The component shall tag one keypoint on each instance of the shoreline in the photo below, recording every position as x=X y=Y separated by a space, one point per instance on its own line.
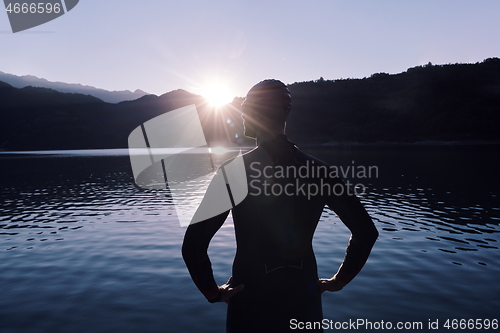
x=402 y=144
x=309 y=145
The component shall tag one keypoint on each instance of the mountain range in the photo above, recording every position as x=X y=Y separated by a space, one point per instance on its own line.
x=438 y=103
x=105 y=95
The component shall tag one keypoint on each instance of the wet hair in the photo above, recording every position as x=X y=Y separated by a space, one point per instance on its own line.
x=270 y=98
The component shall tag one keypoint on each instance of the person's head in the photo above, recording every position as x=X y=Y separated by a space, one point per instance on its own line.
x=266 y=108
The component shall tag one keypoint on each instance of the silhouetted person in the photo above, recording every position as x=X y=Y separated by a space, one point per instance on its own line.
x=274 y=278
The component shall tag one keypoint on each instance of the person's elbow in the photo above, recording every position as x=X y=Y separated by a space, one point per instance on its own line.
x=367 y=235
x=187 y=250
x=371 y=234
x=374 y=234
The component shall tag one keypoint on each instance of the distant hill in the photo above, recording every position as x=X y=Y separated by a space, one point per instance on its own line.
x=105 y=95
x=456 y=102
x=439 y=103
x=44 y=119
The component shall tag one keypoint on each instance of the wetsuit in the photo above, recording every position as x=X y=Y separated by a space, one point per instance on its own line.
x=274 y=231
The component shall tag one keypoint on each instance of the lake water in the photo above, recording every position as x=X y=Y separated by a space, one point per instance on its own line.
x=82 y=249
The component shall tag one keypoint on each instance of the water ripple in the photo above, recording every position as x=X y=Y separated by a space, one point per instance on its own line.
x=89 y=244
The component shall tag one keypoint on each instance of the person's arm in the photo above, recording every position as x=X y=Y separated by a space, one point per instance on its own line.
x=363 y=236
x=194 y=252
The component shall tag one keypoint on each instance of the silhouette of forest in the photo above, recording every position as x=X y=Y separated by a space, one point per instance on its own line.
x=455 y=102
x=459 y=102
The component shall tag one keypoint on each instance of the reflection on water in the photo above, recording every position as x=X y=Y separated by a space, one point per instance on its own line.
x=83 y=249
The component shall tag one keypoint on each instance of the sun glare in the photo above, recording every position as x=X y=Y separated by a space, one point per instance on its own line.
x=218 y=150
x=217 y=94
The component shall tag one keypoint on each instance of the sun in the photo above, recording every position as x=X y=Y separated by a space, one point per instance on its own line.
x=217 y=94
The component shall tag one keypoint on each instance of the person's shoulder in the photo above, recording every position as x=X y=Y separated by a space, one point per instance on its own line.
x=252 y=152
x=304 y=158
x=239 y=156
x=256 y=155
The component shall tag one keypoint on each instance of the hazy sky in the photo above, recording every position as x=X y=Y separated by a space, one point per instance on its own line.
x=159 y=45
